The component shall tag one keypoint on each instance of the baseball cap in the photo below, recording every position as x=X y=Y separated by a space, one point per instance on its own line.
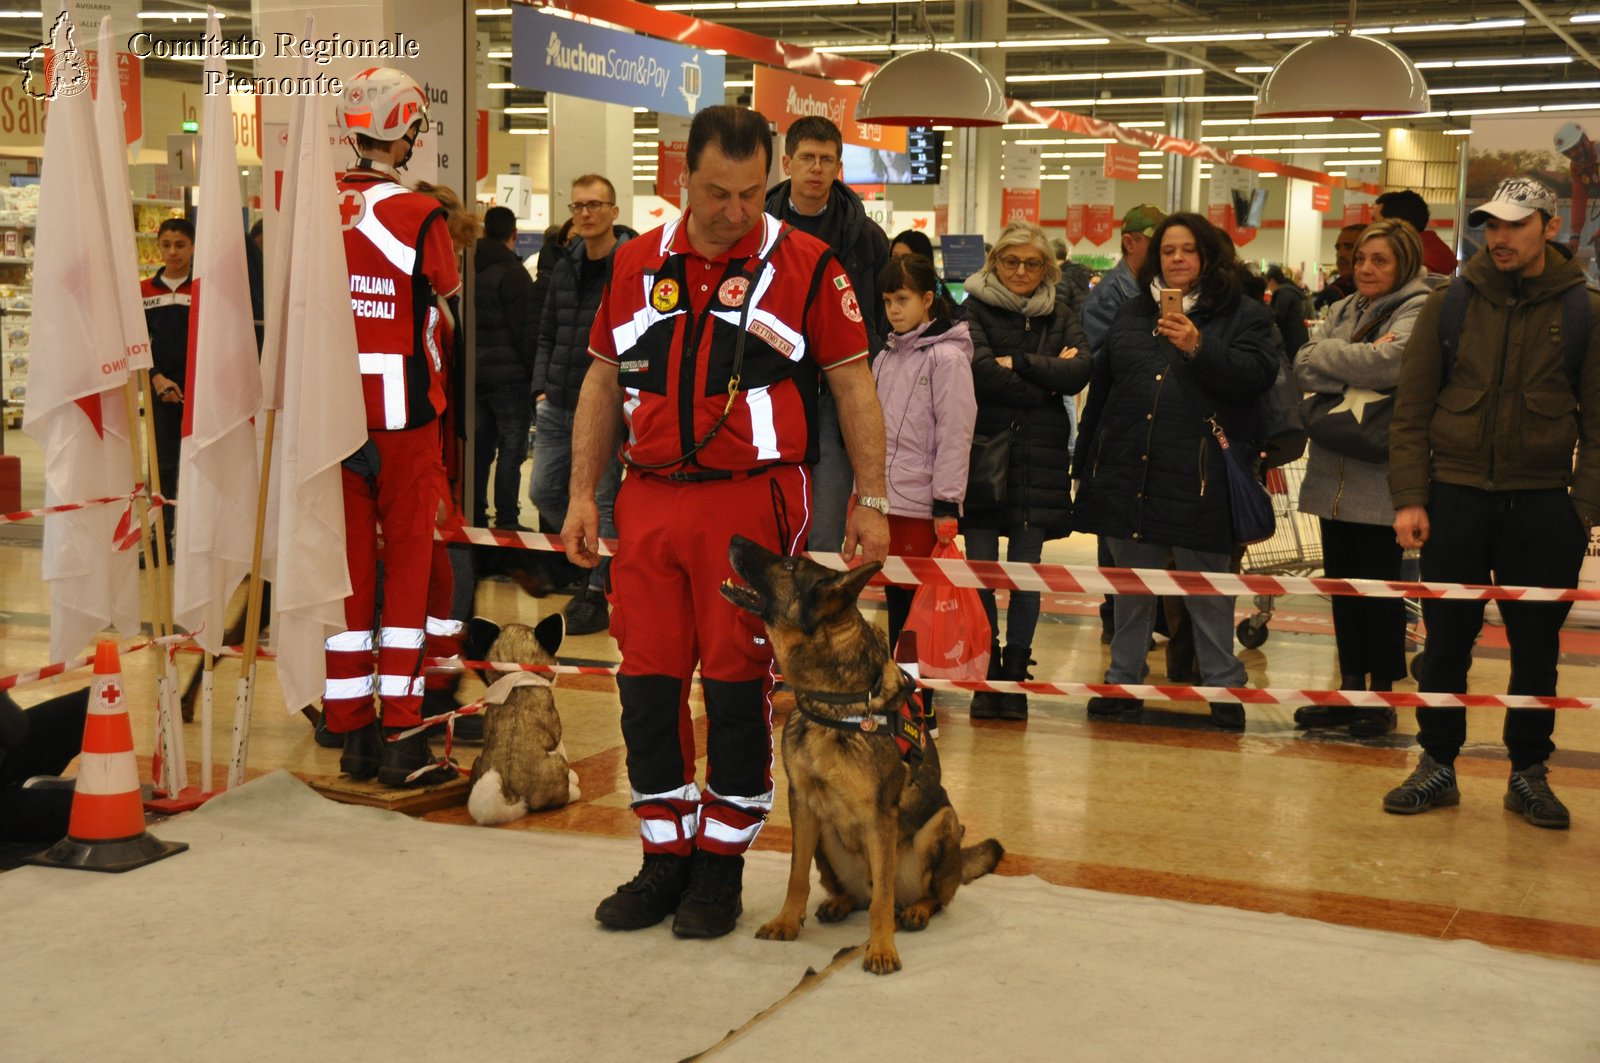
x=1515 y=199
x=1143 y=219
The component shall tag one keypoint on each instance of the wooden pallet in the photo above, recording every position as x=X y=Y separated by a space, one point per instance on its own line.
x=412 y=802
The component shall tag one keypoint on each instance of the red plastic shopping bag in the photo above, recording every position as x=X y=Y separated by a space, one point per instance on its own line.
x=951 y=627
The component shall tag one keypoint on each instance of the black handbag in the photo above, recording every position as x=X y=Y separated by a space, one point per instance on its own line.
x=1249 y=505
x=987 y=466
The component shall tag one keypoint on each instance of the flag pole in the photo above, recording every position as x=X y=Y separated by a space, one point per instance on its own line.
x=244 y=699
x=173 y=766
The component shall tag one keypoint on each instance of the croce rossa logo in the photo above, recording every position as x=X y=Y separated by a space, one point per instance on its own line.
x=66 y=74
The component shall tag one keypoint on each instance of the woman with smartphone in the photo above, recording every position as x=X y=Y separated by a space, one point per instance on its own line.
x=1028 y=352
x=1180 y=370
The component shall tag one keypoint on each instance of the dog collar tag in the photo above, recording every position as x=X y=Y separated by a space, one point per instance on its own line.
x=869 y=723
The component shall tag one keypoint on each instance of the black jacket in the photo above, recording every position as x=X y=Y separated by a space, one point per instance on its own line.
x=1029 y=397
x=169 y=330
x=1289 y=312
x=862 y=247
x=1150 y=467
x=563 y=355
x=507 y=323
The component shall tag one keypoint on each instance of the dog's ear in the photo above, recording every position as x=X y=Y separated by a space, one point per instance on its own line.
x=848 y=585
x=549 y=632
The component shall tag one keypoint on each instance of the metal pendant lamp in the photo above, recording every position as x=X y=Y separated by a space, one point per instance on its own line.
x=930 y=87
x=1343 y=76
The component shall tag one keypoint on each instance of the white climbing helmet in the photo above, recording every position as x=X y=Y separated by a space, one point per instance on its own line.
x=1569 y=136
x=383 y=103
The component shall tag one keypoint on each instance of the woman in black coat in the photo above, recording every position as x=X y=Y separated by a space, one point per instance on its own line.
x=1154 y=483
x=1028 y=353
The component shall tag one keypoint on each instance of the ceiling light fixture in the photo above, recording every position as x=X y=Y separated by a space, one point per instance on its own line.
x=1104 y=76
x=930 y=86
x=1343 y=76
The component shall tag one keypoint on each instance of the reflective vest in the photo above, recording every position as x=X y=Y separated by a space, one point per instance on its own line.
x=670 y=323
x=398 y=252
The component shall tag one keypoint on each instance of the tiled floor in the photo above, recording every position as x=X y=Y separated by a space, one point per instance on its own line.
x=1271 y=820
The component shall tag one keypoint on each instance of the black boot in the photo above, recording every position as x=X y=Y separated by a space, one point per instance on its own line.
x=650 y=897
x=712 y=903
x=362 y=748
x=985 y=703
x=1317 y=717
x=1015 y=668
x=399 y=759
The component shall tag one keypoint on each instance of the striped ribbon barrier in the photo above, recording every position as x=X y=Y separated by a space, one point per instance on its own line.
x=68 y=507
x=1089 y=580
x=50 y=671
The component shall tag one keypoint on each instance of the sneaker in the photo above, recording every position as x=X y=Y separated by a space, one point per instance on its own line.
x=712 y=904
x=651 y=896
x=1115 y=708
x=587 y=613
x=1318 y=717
x=400 y=758
x=1430 y=785
x=1373 y=723
x=1227 y=715
x=1528 y=792
x=362 y=751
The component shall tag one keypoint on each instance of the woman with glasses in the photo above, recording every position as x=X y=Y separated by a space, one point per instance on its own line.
x=1184 y=359
x=1028 y=353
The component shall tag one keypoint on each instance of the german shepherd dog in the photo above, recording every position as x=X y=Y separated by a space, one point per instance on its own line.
x=882 y=830
x=524 y=766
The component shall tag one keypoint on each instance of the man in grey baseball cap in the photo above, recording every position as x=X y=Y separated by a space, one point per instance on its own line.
x=1483 y=480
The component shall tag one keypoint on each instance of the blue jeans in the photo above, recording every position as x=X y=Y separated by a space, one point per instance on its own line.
x=501 y=440
x=1211 y=616
x=831 y=480
x=552 y=469
x=1022 y=607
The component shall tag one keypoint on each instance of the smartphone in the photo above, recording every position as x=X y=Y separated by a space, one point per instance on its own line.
x=1171 y=301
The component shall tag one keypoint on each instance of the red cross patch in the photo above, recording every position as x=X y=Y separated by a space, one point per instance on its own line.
x=847 y=303
x=111 y=694
x=733 y=291
x=352 y=208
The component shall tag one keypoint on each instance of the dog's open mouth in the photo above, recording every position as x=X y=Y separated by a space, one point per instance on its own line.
x=744 y=597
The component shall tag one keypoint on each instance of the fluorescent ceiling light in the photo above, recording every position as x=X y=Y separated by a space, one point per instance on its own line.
x=526 y=132
x=502 y=85
x=1055 y=177
x=1263 y=121
x=21 y=14
x=491 y=12
x=1252 y=70
x=526 y=110
x=643 y=158
x=1269 y=175
x=1546 y=86
x=1152 y=177
x=778 y=5
x=647 y=129
x=1072 y=155
x=1456 y=27
x=1151 y=166
x=178 y=16
x=1458 y=132
x=1055 y=42
x=1363 y=162
x=1531 y=60
x=1585 y=18
x=1125 y=101
x=695 y=7
x=1105 y=76
x=748 y=84
x=1196 y=38
x=498 y=55
x=1152 y=124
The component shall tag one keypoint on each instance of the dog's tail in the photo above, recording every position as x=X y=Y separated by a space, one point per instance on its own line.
x=978 y=860
x=488 y=804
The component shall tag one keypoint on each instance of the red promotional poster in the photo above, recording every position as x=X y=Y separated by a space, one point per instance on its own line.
x=1019 y=204
x=1074 y=226
x=672 y=169
x=1358 y=213
x=1098 y=223
x=1321 y=198
x=783 y=97
x=1122 y=162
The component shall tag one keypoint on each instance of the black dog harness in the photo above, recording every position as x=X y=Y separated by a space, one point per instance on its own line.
x=896 y=718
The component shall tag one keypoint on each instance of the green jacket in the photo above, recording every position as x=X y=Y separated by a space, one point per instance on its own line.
x=1507 y=418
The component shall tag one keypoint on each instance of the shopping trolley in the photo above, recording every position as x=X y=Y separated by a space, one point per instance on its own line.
x=1293 y=549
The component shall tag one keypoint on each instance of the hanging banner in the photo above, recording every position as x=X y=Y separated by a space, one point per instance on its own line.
x=1230 y=192
x=559 y=55
x=784 y=97
x=672 y=160
x=1074 y=226
x=1122 y=162
x=131 y=74
x=1019 y=183
x=1358 y=205
x=1095 y=195
x=1321 y=199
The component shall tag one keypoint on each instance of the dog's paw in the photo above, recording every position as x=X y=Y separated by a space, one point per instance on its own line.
x=915 y=916
x=881 y=959
x=779 y=930
x=835 y=909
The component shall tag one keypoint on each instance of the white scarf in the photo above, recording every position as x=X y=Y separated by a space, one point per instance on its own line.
x=988 y=288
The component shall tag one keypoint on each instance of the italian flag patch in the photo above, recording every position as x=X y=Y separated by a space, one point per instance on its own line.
x=841 y=282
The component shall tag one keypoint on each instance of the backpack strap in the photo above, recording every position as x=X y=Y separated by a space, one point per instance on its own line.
x=1575 y=326
x=1451 y=320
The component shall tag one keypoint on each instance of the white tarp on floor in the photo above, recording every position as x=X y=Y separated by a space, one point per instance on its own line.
x=299 y=929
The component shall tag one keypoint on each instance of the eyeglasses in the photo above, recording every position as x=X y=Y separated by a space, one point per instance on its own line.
x=590 y=206
x=1013 y=263
x=808 y=160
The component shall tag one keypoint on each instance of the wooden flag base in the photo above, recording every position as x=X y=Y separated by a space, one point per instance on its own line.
x=413 y=801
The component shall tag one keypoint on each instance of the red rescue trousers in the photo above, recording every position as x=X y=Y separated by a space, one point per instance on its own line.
x=399 y=506
x=668 y=615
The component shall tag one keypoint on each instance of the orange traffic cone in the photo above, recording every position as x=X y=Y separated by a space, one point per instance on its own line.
x=106 y=831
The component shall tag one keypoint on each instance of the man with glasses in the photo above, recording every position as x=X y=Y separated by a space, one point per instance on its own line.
x=576 y=285
x=815 y=200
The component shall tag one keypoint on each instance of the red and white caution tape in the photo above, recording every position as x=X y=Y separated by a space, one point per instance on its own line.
x=1089 y=580
x=50 y=671
x=1172 y=692
x=68 y=507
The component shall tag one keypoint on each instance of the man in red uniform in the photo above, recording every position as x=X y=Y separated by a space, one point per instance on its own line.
x=402 y=266
x=1584 y=162
x=709 y=346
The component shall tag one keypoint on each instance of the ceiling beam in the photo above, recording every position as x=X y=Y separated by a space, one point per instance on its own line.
x=1578 y=49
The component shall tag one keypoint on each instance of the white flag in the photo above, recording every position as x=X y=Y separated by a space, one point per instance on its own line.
x=216 y=519
x=114 y=168
x=312 y=375
x=75 y=406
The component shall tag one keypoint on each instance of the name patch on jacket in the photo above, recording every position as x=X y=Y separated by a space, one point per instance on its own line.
x=769 y=335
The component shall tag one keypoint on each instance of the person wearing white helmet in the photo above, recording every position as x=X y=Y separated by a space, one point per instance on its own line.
x=1573 y=142
x=402 y=267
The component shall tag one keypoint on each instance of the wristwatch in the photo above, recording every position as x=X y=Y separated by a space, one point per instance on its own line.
x=879 y=504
